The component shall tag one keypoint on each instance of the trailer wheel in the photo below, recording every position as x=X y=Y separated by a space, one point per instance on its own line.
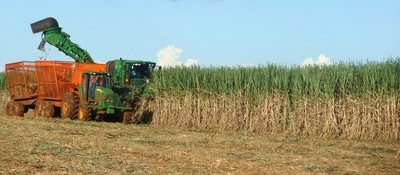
x=85 y=113
x=14 y=109
x=39 y=109
x=48 y=110
x=69 y=106
x=19 y=109
x=9 y=109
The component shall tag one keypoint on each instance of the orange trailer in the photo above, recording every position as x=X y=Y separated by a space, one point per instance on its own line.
x=41 y=85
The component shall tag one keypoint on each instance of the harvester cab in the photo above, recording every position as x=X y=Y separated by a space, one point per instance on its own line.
x=131 y=78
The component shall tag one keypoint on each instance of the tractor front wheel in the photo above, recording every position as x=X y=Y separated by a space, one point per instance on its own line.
x=85 y=113
x=69 y=106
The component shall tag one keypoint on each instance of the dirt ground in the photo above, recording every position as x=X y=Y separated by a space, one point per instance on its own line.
x=53 y=146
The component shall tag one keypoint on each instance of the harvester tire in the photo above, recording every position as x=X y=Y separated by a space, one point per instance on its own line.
x=69 y=106
x=136 y=118
x=39 y=109
x=14 y=109
x=48 y=110
x=129 y=117
x=85 y=113
x=126 y=117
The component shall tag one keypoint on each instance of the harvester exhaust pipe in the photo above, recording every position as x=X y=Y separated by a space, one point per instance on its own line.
x=44 y=24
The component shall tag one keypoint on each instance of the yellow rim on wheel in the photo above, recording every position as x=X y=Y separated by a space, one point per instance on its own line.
x=81 y=115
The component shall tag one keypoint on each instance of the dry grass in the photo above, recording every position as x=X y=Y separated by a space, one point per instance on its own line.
x=4 y=98
x=53 y=146
x=33 y=145
x=372 y=117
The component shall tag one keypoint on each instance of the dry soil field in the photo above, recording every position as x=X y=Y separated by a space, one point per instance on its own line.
x=53 y=146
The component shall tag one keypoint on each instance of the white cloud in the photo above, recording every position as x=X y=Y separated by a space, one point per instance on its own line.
x=322 y=60
x=307 y=62
x=169 y=56
x=191 y=62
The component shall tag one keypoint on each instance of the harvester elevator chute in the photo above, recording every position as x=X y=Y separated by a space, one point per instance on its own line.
x=53 y=35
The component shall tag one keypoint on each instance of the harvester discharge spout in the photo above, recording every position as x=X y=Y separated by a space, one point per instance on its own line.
x=53 y=35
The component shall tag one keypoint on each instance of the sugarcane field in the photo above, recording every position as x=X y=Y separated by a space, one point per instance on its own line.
x=245 y=97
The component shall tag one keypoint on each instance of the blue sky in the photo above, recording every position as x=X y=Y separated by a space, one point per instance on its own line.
x=211 y=32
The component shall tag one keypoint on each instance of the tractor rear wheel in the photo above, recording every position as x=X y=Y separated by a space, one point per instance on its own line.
x=14 y=109
x=69 y=106
x=85 y=113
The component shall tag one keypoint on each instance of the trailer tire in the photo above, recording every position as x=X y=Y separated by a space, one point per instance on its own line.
x=85 y=113
x=39 y=109
x=48 y=110
x=14 y=109
x=19 y=109
x=69 y=106
x=9 y=109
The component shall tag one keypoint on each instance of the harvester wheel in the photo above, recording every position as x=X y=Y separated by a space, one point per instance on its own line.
x=136 y=117
x=126 y=117
x=85 y=113
x=69 y=106
x=39 y=109
x=48 y=109
x=129 y=117
x=14 y=109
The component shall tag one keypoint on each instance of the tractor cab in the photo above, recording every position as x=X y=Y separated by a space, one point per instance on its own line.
x=96 y=87
x=96 y=96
